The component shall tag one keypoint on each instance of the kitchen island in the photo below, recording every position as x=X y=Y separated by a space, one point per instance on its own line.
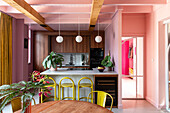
x=105 y=81
x=77 y=72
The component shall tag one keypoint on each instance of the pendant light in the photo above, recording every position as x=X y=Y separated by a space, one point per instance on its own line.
x=79 y=38
x=98 y=38
x=59 y=38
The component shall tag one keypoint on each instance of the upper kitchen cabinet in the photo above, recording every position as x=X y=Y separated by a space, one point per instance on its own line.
x=67 y=46
x=84 y=46
x=55 y=46
x=94 y=44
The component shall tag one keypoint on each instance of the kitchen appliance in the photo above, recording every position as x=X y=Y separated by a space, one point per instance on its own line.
x=96 y=56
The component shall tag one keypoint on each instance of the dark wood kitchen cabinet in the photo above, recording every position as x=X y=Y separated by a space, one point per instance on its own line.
x=69 y=45
x=55 y=46
x=84 y=46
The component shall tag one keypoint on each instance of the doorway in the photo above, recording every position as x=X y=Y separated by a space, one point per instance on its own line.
x=132 y=68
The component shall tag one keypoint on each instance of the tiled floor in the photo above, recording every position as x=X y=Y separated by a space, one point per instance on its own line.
x=137 y=106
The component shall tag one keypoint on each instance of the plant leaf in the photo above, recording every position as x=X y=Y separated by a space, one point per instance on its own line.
x=49 y=64
x=4 y=87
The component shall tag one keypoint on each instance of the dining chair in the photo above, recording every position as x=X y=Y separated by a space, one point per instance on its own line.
x=88 y=85
x=16 y=103
x=101 y=98
x=53 y=85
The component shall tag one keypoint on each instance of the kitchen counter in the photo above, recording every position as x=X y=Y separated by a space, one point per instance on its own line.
x=77 y=72
x=76 y=65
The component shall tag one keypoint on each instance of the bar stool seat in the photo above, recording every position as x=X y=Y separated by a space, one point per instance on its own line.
x=85 y=85
x=51 y=85
x=67 y=85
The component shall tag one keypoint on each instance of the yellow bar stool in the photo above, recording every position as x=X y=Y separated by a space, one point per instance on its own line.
x=53 y=85
x=63 y=85
x=89 y=85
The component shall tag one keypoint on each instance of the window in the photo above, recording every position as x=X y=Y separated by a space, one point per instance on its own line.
x=29 y=46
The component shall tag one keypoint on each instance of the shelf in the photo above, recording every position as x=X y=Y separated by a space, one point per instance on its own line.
x=105 y=84
x=106 y=81
x=113 y=91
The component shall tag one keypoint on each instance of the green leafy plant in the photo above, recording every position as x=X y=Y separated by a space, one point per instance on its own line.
x=25 y=90
x=53 y=60
x=106 y=62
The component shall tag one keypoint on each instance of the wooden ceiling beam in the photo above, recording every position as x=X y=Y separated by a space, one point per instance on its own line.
x=95 y=10
x=27 y=10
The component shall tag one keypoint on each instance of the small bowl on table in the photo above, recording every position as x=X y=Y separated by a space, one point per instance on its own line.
x=101 y=69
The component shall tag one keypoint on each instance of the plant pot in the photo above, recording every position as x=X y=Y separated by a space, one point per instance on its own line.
x=28 y=109
x=53 y=69
x=108 y=68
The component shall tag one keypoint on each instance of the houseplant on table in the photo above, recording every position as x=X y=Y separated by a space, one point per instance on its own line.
x=25 y=90
x=106 y=62
x=52 y=60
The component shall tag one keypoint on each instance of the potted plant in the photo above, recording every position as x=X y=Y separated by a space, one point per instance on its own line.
x=25 y=90
x=52 y=60
x=106 y=62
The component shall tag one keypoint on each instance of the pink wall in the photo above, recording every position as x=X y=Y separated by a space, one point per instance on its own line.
x=21 y=69
x=18 y=36
x=155 y=47
x=133 y=24
x=25 y=54
x=113 y=43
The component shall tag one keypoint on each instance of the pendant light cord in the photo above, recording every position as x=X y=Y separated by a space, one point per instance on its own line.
x=78 y=27
x=59 y=24
x=98 y=27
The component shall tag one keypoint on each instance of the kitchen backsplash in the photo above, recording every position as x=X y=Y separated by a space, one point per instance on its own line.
x=75 y=58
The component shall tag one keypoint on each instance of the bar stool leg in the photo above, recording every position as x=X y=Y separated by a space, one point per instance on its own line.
x=73 y=93
x=55 y=93
x=41 y=97
x=62 y=93
x=59 y=91
x=78 y=93
x=92 y=95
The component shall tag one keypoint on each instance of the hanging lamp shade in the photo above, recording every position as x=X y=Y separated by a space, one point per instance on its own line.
x=79 y=39
x=98 y=39
x=59 y=39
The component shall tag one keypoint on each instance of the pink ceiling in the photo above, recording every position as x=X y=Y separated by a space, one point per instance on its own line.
x=70 y=10
x=68 y=26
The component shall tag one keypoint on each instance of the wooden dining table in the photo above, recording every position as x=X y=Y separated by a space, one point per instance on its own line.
x=68 y=106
